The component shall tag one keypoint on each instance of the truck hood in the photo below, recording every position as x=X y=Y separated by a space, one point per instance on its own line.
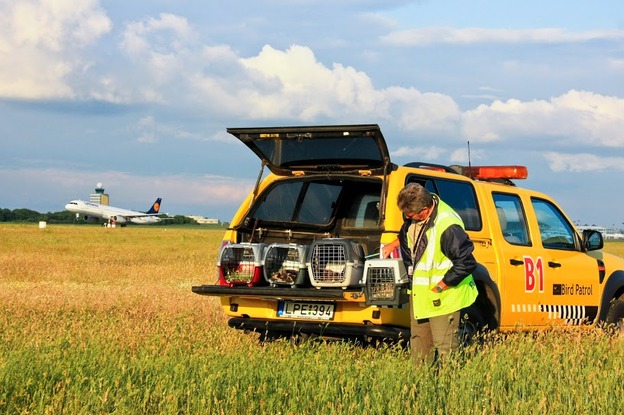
x=318 y=149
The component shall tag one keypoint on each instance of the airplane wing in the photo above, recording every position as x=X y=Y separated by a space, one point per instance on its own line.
x=140 y=215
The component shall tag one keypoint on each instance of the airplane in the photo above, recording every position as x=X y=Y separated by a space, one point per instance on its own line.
x=93 y=211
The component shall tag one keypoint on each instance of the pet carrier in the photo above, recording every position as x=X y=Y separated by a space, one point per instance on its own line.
x=284 y=264
x=240 y=264
x=335 y=262
x=385 y=282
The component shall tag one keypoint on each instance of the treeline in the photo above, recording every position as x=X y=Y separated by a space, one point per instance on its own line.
x=28 y=215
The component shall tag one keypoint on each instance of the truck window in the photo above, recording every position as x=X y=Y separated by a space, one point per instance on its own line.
x=555 y=231
x=511 y=218
x=364 y=212
x=302 y=202
x=458 y=195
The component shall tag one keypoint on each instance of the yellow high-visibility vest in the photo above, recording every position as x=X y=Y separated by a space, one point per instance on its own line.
x=431 y=268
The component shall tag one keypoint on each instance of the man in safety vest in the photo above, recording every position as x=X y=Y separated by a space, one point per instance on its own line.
x=438 y=256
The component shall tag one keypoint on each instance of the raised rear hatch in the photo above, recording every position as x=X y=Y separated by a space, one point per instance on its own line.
x=317 y=149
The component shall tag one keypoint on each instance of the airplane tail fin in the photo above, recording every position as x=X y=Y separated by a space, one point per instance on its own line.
x=155 y=206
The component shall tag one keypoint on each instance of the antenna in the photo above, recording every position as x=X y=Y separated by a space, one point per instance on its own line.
x=469 y=164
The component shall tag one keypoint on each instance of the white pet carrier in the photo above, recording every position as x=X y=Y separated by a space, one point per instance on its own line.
x=240 y=264
x=285 y=264
x=385 y=282
x=335 y=262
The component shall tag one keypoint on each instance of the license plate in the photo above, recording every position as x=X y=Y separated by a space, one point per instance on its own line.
x=311 y=311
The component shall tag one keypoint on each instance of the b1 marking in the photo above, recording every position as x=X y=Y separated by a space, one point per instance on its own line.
x=533 y=274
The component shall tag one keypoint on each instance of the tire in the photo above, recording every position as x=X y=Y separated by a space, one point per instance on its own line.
x=471 y=325
x=615 y=316
x=477 y=321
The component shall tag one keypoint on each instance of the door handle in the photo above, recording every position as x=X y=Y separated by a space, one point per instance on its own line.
x=516 y=262
x=553 y=264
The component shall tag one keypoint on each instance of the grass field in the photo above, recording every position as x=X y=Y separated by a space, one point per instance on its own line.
x=96 y=320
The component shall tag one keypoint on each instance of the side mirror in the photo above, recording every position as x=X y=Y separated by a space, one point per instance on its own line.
x=592 y=240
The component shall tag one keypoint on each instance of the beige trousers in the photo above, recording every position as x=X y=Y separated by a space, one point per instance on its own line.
x=434 y=337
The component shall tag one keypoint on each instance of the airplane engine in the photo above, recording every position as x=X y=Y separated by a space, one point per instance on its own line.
x=90 y=219
x=118 y=219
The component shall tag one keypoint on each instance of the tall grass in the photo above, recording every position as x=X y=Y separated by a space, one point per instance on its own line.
x=96 y=320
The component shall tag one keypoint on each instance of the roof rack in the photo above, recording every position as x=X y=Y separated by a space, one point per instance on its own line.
x=430 y=166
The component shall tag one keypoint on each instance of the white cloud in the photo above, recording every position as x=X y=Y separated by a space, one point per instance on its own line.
x=460 y=155
x=41 y=43
x=168 y=65
x=147 y=36
x=434 y=154
x=616 y=64
x=145 y=128
x=435 y=35
x=150 y=131
x=161 y=54
x=377 y=20
x=293 y=84
x=577 y=116
x=420 y=153
x=275 y=84
x=583 y=162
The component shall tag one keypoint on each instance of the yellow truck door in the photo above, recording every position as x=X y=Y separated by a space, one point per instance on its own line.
x=571 y=277
x=547 y=279
x=521 y=267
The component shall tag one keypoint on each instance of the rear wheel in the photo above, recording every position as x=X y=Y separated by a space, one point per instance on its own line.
x=615 y=316
x=471 y=325
x=477 y=321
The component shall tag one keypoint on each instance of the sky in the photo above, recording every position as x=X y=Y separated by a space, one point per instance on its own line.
x=137 y=95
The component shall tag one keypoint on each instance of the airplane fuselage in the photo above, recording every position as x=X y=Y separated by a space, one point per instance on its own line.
x=90 y=210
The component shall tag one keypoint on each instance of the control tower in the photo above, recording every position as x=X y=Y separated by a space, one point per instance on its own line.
x=99 y=196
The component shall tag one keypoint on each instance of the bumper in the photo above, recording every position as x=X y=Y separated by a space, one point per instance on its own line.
x=275 y=292
x=323 y=329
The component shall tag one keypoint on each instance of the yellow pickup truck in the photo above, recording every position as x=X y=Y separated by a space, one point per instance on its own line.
x=301 y=255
